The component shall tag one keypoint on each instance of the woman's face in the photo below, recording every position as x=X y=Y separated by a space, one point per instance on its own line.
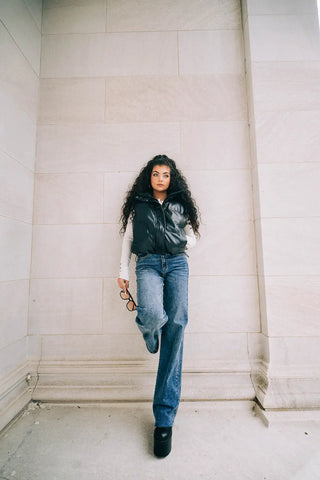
x=160 y=178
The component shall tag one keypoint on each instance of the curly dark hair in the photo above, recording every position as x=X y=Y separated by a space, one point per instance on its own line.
x=178 y=183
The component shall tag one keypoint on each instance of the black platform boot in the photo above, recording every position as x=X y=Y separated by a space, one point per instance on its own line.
x=162 y=441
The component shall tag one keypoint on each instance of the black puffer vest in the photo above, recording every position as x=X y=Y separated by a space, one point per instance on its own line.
x=158 y=228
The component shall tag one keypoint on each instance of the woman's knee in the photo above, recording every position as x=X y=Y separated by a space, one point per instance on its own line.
x=151 y=317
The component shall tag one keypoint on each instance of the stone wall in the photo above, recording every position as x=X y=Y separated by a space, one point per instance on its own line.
x=20 y=43
x=121 y=82
x=283 y=65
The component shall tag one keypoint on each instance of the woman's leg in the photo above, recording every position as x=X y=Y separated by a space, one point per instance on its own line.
x=150 y=312
x=168 y=384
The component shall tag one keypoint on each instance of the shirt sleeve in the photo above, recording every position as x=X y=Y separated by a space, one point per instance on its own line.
x=191 y=238
x=126 y=252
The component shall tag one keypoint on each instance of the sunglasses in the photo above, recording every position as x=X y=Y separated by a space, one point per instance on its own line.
x=131 y=304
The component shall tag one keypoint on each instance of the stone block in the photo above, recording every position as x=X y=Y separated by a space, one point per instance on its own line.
x=293 y=305
x=118 y=348
x=19 y=82
x=13 y=355
x=225 y=248
x=222 y=194
x=279 y=86
x=15 y=124
x=104 y=148
x=287 y=137
x=69 y=17
x=215 y=351
x=16 y=194
x=289 y=190
x=223 y=304
x=15 y=249
x=166 y=15
x=35 y=8
x=68 y=198
x=215 y=145
x=280 y=7
x=70 y=100
x=23 y=29
x=14 y=311
x=284 y=38
x=65 y=306
x=116 y=54
x=210 y=52
x=115 y=187
x=168 y=98
x=290 y=246
x=81 y=251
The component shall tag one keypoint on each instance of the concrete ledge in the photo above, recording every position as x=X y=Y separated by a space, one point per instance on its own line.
x=274 y=417
x=132 y=381
x=15 y=394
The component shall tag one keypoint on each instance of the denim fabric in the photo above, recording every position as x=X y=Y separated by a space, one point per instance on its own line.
x=162 y=313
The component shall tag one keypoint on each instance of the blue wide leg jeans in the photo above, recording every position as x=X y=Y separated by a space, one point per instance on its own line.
x=162 y=314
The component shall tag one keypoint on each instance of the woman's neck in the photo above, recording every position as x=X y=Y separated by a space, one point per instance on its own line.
x=160 y=195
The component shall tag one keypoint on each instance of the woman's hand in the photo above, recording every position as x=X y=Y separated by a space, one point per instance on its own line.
x=123 y=284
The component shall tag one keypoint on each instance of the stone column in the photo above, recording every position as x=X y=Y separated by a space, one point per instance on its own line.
x=283 y=81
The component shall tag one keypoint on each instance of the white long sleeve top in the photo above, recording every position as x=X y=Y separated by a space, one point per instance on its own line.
x=127 y=242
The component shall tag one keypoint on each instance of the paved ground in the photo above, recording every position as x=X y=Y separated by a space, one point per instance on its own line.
x=218 y=440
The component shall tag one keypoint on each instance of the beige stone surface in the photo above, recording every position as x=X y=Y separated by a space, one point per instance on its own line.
x=14 y=311
x=168 y=98
x=96 y=55
x=166 y=15
x=68 y=198
x=223 y=303
x=297 y=353
x=289 y=190
x=215 y=145
x=13 y=355
x=225 y=248
x=73 y=17
x=15 y=124
x=280 y=86
x=290 y=246
x=116 y=347
x=76 y=251
x=18 y=20
x=65 y=306
x=16 y=193
x=288 y=136
x=71 y=100
x=115 y=188
x=210 y=52
x=293 y=305
x=284 y=37
x=104 y=148
x=20 y=43
x=222 y=194
x=15 y=249
x=35 y=8
x=207 y=351
x=280 y=7
x=18 y=80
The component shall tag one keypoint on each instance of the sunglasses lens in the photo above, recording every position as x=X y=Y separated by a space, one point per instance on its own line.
x=131 y=306
x=124 y=295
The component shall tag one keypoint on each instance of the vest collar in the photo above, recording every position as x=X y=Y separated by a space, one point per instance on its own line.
x=148 y=197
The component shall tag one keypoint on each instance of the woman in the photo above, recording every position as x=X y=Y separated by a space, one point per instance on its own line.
x=159 y=221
